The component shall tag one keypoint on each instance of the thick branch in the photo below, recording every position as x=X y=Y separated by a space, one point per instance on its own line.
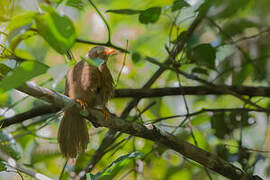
x=150 y=132
x=146 y=93
x=111 y=135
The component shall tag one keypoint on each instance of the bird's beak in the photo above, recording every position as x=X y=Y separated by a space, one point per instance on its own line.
x=110 y=52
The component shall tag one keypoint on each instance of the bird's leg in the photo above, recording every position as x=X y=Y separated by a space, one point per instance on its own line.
x=82 y=103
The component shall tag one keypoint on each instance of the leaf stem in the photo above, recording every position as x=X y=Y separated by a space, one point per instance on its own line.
x=104 y=20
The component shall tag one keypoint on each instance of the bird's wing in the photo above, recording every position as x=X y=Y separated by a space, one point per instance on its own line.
x=90 y=78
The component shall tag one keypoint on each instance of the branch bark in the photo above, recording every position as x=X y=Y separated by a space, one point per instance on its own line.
x=192 y=90
x=12 y=163
x=149 y=131
x=38 y=111
x=146 y=93
x=112 y=135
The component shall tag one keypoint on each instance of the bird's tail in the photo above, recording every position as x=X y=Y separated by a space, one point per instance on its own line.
x=72 y=134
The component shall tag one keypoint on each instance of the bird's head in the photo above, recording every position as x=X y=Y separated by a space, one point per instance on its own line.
x=100 y=52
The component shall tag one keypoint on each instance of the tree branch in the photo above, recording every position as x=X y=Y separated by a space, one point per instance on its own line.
x=208 y=110
x=192 y=90
x=178 y=47
x=149 y=131
x=38 y=111
x=12 y=163
x=205 y=82
x=102 y=44
x=146 y=93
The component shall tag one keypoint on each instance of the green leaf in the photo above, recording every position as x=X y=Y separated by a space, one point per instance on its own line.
x=124 y=11
x=203 y=55
x=199 y=71
x=21 y=20
x=94 y=62
x=239 y=119
x=57 y=30
x=57 y=1
x=81 y=161
x=224 y=51
x=23 y=54
x=237 y=27
x=136 y=57
x=238 y=77
x=3 y=166
x=205 y=6
x=150 y=15
x=90 y=176
x=26 y=71
x=111 y=171
x=42 y=156
x=220 y=125
x=72 y=62
x=16 y=41
x=179 y=4
x=78 y=4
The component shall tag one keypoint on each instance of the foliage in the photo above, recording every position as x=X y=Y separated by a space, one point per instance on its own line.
x=111 y=171
x=39 y=40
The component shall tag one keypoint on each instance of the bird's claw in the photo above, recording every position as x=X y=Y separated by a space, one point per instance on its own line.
x=82 y=103
x=106 y=113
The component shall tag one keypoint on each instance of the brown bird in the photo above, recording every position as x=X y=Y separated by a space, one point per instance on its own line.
x=90 y=86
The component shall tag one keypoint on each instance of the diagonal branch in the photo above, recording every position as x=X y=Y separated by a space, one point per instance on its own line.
x=111 y=136
x=13 y=164
x=149 y=132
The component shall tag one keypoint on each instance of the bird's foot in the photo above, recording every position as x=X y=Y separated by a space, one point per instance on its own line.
x=82 y=103
x=105 y=112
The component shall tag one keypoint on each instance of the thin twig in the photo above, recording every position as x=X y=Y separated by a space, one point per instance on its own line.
x=117 y=144
x=243 y=52
x=102 y=44
x=247 y=149
x=208 y=84
x=23 y=99
x=63 y=170
x=253 y=36
x=104 y=20
x=123 y=65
